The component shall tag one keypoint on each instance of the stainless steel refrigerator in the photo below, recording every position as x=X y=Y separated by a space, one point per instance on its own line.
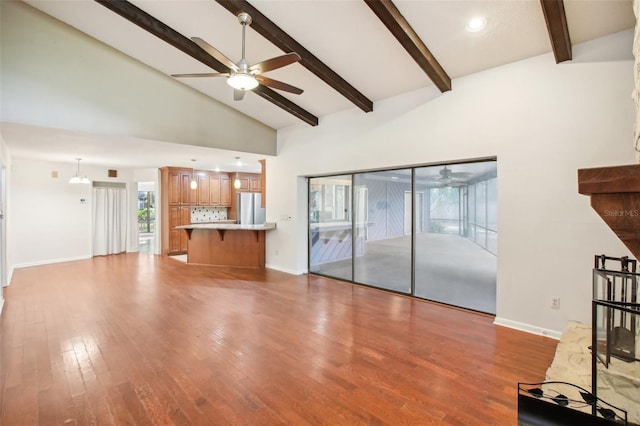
x=249 y=210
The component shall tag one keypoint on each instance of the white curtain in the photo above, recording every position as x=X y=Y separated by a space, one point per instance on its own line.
x=109 y=221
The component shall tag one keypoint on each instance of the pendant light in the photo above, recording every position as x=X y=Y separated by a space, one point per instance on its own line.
x=76 y=178
x=194 y=182
x=236 y=181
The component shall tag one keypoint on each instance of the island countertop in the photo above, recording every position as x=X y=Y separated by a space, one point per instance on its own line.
x=229 y=226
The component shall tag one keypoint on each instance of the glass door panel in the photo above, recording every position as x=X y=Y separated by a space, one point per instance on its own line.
x=330 y=230
x=382 y=244
x=452 y=263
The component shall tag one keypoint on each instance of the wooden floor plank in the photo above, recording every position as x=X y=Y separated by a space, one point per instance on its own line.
x=142 y=339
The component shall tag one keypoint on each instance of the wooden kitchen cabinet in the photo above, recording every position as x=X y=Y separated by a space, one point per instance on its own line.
x=225 y=191
x=255 y=183
x=179 y=187
x=177 y=198
x=249 y=182
x=213 y=189
x=204 y=190
x=178 y=215
x=244 y=183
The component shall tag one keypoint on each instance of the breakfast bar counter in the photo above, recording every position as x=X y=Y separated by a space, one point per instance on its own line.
x=226 y=244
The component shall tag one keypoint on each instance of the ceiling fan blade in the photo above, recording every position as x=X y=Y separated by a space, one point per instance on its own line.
x=462 y=175
x=275 y=63
x=275 y=84
x=208 y=74
x=238 y=94
x=215 y=53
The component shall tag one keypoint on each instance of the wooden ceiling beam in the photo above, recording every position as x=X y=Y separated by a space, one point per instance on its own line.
x=391 y=17
x=558 y=29
x=270 y=31
x=182 y=43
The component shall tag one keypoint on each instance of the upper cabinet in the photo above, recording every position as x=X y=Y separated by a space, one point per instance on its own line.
x=179 y=187
x=213 y=189
x=255 y=183
x=249 y=182
x=204 y=189
x=225 y=190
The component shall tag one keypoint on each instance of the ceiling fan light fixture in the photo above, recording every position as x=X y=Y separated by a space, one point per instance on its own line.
x=476 y=24
x=242 y=81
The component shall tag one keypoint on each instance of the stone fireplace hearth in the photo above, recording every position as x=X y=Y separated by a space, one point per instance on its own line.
x=619 y=384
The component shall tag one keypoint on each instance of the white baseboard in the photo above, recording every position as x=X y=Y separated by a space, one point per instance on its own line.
x=528 y=328
x=50 y=261
x=9 y=276
x=286 y=270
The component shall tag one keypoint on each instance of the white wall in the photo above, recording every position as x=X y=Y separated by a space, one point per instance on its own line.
x=49 y=222
x=55 y=76
x=541 y=120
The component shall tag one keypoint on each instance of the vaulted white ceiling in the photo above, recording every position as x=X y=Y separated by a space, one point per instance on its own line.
x=347 y=36
x=344 y=34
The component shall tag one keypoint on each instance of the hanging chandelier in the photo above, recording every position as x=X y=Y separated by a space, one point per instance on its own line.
x=76 y=178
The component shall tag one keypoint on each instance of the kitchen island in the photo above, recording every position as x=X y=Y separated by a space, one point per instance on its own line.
x=226 y=244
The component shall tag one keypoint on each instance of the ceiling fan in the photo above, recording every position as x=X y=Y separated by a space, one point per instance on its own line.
x=241 y=76
x=447 y=177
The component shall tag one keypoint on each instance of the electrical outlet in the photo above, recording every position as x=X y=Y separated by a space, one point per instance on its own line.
x=555 y=303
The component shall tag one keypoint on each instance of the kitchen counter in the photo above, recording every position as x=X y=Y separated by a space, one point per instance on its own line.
x=229 y=226
x=221 y=244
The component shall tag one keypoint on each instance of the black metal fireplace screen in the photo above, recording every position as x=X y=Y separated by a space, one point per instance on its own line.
x=615 y=363
x=616 y=292
x=615 y=330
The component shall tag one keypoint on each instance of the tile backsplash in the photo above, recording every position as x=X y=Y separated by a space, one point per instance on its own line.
x=208 y=214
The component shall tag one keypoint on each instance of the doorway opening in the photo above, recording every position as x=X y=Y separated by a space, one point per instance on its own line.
x=146 y=216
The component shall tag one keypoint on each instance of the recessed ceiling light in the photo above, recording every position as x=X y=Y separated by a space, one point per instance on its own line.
x=476 y=24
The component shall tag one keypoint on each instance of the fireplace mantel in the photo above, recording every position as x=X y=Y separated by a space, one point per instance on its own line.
x=615 y=196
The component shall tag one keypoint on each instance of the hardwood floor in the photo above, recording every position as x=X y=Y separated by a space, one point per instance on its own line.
x=140 y=339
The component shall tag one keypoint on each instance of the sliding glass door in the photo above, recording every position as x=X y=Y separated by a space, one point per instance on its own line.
x=426 y=231
x=383 y=250
x=330 y=230
x=456 y=250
